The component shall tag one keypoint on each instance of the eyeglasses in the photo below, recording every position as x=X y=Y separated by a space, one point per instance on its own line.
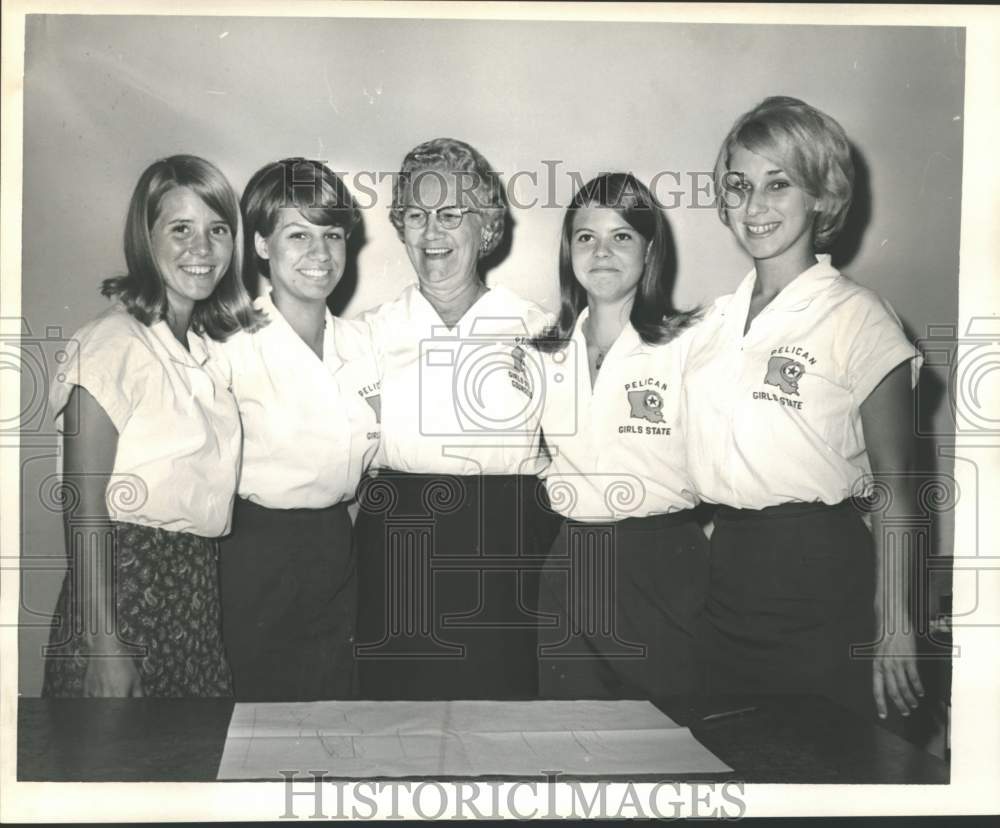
x=450 y=218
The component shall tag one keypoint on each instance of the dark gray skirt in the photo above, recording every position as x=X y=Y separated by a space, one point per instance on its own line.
x=448 y=586
x=790 y=595
x=289 y=599
x=621 y=603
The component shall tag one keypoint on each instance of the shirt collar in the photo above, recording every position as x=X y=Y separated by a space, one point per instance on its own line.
x=196 y=353
x=628 y=341
x=419 y=309
x=805 y=287
x=795 y=296
x=265 y=303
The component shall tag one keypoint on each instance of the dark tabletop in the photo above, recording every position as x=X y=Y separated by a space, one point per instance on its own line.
x=787 y=739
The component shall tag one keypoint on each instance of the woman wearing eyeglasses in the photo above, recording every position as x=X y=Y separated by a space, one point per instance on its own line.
x=446 y=609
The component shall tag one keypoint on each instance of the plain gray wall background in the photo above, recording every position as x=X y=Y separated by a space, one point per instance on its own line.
x=104 y=96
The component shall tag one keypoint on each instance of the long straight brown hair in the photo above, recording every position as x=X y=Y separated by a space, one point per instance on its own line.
x=653 y=315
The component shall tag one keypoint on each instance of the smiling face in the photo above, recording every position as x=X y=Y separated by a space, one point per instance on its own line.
x=306 y=260
x=775 y=217
x=442 y=257
x=192 y=246
x=608 y=254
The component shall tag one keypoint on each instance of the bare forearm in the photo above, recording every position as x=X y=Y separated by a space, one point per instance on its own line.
x=92 y=558
x=884 y=416
x=895 y=543
x=88 y=463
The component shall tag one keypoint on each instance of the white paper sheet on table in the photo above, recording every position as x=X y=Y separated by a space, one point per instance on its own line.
x=362 y=739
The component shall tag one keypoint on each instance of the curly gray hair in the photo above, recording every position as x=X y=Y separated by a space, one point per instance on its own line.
x=479 y=182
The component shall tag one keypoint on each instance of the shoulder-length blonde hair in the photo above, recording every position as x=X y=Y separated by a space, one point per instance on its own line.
x=141 y=289
x=812 y=149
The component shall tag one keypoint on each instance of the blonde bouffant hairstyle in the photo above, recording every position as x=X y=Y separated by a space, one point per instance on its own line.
x=812 y=149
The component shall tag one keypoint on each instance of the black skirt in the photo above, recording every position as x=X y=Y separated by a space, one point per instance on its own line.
x=790 y=593
x=448 y=585
x=166 y=593
x=621 y=602
x=289 y=600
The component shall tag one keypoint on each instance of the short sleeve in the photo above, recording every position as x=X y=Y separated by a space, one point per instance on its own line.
x=876 y=344
x=103 y=360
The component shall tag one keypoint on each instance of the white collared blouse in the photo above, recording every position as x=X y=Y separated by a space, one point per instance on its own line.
x=773 y=415
x=617 y=449
x=459 y=400
x=310 y=425
x=178 y=427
